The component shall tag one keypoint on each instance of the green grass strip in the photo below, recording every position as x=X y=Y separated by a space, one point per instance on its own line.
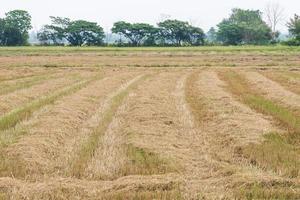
x=12 y=118
x=144 y=162
x=279 y=152
x=279 y=191
x=239 y=86
x=88 y=148
x=7 y=88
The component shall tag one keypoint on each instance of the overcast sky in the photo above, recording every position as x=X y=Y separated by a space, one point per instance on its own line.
x=203 y=13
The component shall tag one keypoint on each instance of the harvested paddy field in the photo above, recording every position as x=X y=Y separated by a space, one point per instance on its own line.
x=157 y=123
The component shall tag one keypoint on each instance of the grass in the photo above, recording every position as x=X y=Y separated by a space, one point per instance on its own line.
x=195 y=100
x=87 y=149
x=145 y=162
x=2 y=79
x=289 y=80
x=7 y=88
x=36 y=51
x=278 y=152
x=279 y=191
x=17 y=115
x=3 y=196
x=172 y=194
x=238 y=85
x=168 y=191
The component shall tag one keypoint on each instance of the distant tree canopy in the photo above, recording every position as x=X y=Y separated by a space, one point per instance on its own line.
x=211 y=36
x=77 y=33
x=172 y=32
x=14 y=28
x=55 y=32
x=294 y=27
x=136 y=33
x=179 y=32
x=244 y=27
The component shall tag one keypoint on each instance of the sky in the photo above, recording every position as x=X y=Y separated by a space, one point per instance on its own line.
x=202 y=13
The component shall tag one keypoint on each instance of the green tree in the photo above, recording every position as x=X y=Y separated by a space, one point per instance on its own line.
x=211 y=35
x=179 y=32
x=195 y=36
x=174 y=31
x=14 y=28
x=136 y=33
x=77 y=33
x=54 y=33
x=2 y=30
x=19 y=19
x=294 y=27
x=82 y=32
x=244 y=27
x=13 y=37
x=229 y=33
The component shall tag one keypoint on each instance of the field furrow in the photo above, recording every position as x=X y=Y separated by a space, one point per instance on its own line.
x=226 y=126
x=278 y=152
x=273 y=90
x=149 y=123
x=105 y=116
x=13 y=85
x=290 y=80
x=20 y=97
x=45 y=136
x=12 y=118
x=153 y=124
x=7 y=74
x=129 y=187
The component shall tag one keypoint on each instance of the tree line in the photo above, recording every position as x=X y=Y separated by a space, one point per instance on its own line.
x=242 y=27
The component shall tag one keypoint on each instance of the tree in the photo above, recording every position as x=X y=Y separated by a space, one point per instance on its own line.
x=174 y=31
x=14 y=28
x=294 y=30
x=195 y=36
x=77 y=33
x=136 y=33
x=211 y=35
x=178 y=32
x=244 y=27
x=19 y=19
x=229 y=33
x=274 y=15
x=2 y=30
x=294 y=27
x=55 y=32
x=82 y=32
